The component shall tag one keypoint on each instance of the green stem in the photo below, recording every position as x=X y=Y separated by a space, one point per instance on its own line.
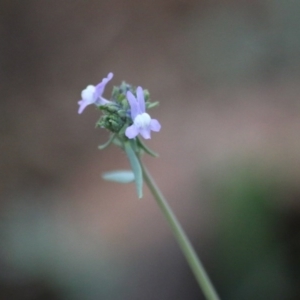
x=185 y=245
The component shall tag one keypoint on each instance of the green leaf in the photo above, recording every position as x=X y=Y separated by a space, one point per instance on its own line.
x=136 y=167
x=146 y=149
x=101 y=147
x=152 y=104
x=121 y=176
x=118 y=142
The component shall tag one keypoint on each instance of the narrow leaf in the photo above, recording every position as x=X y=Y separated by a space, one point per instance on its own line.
x=136 y=168
x=146 y=149
x=152 y=104
x=101 y=147
x=120 y=176
x=118 y=143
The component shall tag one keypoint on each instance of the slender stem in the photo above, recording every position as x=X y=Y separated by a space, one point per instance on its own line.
x=185 y=245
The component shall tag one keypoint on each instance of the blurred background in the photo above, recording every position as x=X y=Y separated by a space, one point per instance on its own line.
x=226 y=74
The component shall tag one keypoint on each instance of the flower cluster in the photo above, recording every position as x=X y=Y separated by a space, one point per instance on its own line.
x=125 y=114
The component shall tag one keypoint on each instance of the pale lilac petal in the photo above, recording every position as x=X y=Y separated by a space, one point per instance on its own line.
x=101 y=86
x=88 y=97
x=134 y=107
x=102 y=101
x=155 y=125
x=145 y=133
x=141 y=99
x=131 y=132
x=82 y=105
x=142 y=120
x=88 y=94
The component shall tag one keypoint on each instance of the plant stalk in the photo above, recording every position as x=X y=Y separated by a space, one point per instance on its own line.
x=182 y=239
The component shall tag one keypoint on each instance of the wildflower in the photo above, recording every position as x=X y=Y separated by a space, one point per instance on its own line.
x=142 y=122
x=93 y=94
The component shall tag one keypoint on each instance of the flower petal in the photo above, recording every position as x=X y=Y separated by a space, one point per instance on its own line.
x=82 y=105
x=155 y=125
x=101 y=86
x=88 y=94
x=141 y=99
x=145 y=133
x=131 y=132
x=134 y=107
x=102 y=101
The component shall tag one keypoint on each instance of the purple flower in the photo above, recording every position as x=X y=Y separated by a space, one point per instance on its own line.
x=93 y=94
x=142 y=122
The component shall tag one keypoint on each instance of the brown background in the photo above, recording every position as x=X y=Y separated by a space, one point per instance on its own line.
x=226 y=74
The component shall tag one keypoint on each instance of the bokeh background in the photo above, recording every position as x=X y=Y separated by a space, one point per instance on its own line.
x=226 y=74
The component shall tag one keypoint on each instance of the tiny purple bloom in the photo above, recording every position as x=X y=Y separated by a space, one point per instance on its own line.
x=93 y=94
x=142 y=122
